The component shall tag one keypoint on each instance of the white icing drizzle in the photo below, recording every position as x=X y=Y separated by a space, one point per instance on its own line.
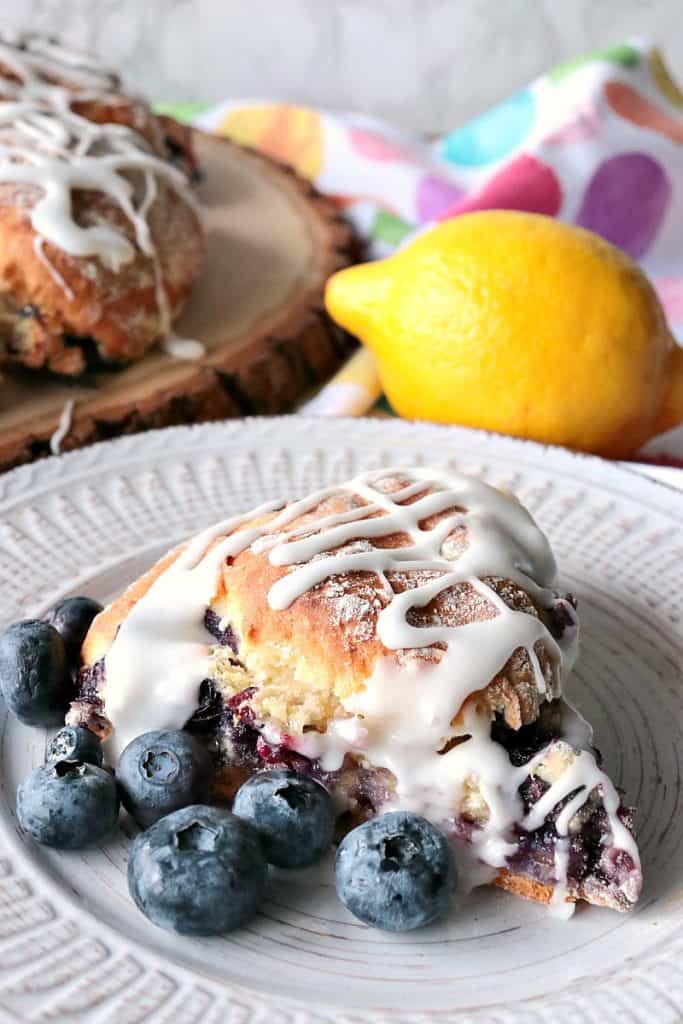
x=404 y=715
x=171 y=344
x=160 y=655
x=45 y=144
x=183 y=348
x=38 y=248
x=46 y=57
x=559 y=906
x=63 y=427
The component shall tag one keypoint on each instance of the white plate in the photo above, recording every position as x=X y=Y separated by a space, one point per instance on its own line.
x=73 y=947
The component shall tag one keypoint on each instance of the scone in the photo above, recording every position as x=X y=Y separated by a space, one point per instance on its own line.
x=400 y=639
x=100 y=238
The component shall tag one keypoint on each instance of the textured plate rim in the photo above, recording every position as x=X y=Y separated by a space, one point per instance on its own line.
x=169 y=443
x=15 y=482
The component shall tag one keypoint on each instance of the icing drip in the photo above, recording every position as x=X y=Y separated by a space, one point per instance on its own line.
x=183 y=348
x=63 y=427
x=160 y=655
x=38 y=248
x=409 y=708
x=559 y=905
x=177 y=348
x=45 y=144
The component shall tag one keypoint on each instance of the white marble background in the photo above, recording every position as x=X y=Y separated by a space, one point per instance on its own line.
x=427 y=64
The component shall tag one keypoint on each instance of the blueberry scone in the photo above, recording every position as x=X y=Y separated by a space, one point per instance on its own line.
x=400 y=639
x=100 y=237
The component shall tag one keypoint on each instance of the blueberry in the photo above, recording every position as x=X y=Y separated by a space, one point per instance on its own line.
x=198 y=871
x=395 y=872
x=159 y=772
x=68 y=805
x=34 y=676
x=71 y=618
x=294 y=816
x=73 y=743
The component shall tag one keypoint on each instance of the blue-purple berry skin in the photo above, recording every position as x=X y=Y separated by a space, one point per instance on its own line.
x=162 y=771
x=68 y=805
x=294 y=816
x=34 y=674
x=395 y=872
x=74 y=743
x=72 y=618
x=198 y=871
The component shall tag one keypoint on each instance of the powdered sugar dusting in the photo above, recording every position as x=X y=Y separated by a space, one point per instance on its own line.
x=353 y=608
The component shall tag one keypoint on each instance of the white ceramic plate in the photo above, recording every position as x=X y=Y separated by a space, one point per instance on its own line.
x=72 y=945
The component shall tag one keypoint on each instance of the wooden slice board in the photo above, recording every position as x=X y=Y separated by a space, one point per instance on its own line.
x=272 y=243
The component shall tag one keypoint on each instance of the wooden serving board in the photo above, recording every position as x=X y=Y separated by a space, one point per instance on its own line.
x=272 y=243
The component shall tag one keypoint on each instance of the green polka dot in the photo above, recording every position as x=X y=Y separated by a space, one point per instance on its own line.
x=390 y=229
x=627 y=56
x=181 y=111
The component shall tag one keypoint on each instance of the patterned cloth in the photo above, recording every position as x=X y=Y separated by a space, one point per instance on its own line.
x=597 y=142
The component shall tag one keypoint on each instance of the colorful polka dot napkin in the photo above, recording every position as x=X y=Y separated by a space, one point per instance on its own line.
x=597 y=142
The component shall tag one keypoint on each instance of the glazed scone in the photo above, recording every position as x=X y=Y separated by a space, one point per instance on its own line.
x=400 y=639
x=100 y=239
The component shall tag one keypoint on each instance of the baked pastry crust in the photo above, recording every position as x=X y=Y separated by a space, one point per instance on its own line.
x=284 y=677
x=322 y=649
x=61 y=311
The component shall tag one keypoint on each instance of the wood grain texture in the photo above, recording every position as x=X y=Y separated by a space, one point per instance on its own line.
x=258 y=308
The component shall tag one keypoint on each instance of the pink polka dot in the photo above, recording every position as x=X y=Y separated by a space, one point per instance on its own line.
x=583 y=125
x=374 y=147
x=524 y=184
x=670 y=291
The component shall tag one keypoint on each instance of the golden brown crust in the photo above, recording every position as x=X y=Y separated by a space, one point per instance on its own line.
x=309 y=658
x=119 y=310
x=48 y=298
x=529 y=889
x=522 y=885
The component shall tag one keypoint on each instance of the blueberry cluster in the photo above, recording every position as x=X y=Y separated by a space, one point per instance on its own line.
x=201 y=870
x=71 y=800
x=198 y=869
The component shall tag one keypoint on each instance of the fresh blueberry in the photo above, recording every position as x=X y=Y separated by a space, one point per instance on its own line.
x=395 y=872
x=68 y=805
x=159 y=772
x=294 y=816
x=73 y=743
x=198 y=871
x=34 y=676
x=71 y=618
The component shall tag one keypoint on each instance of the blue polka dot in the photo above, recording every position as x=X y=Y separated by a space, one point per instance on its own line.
x=493 y=134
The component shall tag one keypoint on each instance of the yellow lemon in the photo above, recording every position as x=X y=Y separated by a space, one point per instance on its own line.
x=519 y=324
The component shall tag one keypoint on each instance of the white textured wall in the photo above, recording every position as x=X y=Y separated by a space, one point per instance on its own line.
x=428 y=64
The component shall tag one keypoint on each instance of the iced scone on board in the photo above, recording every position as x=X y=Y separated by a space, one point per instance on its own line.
x=100 y=236
x=400 y=639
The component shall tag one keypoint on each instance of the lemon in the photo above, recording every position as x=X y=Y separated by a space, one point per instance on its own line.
x=519 y=324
